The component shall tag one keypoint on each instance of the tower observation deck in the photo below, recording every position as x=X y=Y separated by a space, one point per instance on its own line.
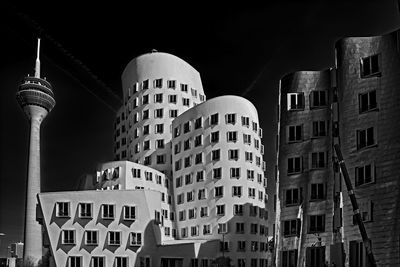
x=36 y=98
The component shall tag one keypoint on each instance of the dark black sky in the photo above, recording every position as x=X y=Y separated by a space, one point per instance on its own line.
x=238 y=49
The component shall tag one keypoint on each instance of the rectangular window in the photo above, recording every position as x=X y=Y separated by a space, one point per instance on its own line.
x=230 y=118
x=215 y=154
x=68 y=237
x=254 y=245
x=317 y=224
x=365 y=206
x=85 y=210
x=198 y=123
x=293 y=196
x=98 y=261
x=252 y=192
x=231 y=136
x=121 y=262
x=294 y=165
x=295 y=133
x=220 y=210
x=177 y=131
x=235 y=173
x=198 y=140
x=178 y=165
x=214 y=119
x=291 y=227
x=207 y=229
x=202 y=194
x=241 y=245
x=158 y=98
x=194 y=231
x=318 y=160
x=135 y=239
x=198 y=158
x=158 y=113
x=114 y=238
x=171 y=84
x=370 y=66
x=185 y=101
x=146 y=129
x=91 y=238
x=240 y=228
x=186 y=127
x=129 y=213
x=318 y=99
x=147 y=160
x=173 y=113
x=188 y=161
x=253 y=228
x=145 y=114
x=247 y=139
x=148 y=176
x=222 y=228
x=157 y=83
x=186 y=144
x=214 y=137
x=204 y=212
x=75 y=261
x=295 y=101
x=62 y=209
x=192 y=213
x=245 y=121
x=236 y=191
x=219 y=191
x=250 y=175
x=319 y=128
x=160 y=143
x=180 y=199
x=184 y=232
x=184 y=87
x=108 y=211
x=188 y=179
x=233 y=154
x=253 y=211
x=145 y=99
x=367 y=101
x=190 y=196
x=238 y=208
x=365 y=138
x=178 y=182
x=159 y=128
x=317 y=191
x=248 y=156
x=217 y=173
x=199 y=176
x=289 y=258
x=364 y=174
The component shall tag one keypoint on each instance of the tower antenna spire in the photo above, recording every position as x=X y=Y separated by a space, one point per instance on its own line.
x=37 y=65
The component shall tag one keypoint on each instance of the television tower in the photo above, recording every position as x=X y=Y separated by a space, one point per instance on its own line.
x=36 y=98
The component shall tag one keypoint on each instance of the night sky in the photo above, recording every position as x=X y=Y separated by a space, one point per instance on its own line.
x=238 y=50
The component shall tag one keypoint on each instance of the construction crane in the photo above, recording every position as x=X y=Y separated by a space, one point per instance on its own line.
x=356 y=210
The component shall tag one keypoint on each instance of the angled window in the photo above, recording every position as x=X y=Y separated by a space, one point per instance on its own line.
x=68 y=237
x=146 y=129
x=367 y=101
x=204 y=212
x=158 y=83
x=91 y=237
x=215 y=154
x=364 y=174
x=146 y=145
x=198 y=123
x=370 y=66
x=63 y=209
x=145 y=114
x=366 y=138
x=145 y=84
x=147 y=160
x=145 y=100
x=215 y=137
x=214 y=119
x=245 y=121
x=219 y=191
x=295 y=101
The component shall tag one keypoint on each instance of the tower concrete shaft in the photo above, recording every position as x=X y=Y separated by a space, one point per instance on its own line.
x=36 y=98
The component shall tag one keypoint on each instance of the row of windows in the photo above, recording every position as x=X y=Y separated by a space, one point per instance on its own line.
x=91 y=238
x=294 y=196
x=217 y=174
x=85 y=210
x=238 y=210
x=237 y=191
x=159 y=83
x=231 y=137
x=316 y=224
x=295 y=133
x=241 y=247
x=317 y=160
x=214 y=120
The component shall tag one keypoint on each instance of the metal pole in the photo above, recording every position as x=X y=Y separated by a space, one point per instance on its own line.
x=356 y=211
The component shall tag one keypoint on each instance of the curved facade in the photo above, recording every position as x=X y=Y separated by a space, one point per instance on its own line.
x=368 y=90
x=219 y=176
x=305 y=179
x=157 y=87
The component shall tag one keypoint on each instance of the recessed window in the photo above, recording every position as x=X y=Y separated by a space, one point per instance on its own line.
x=177 y=131
x=253 y=210
x=364 y=174
x=85 y=210
x=194 y=231
x=289 y=258
x=293 y=196
x=184 y=232
x=317 y=191
x=180 y=199
x=367 y=101
x=178 y=182
x=135 y=239
x=370 y=66
x=247 y=139
x=98 y=261
x=159 y=128
x=214 y=137
x=214 y=119
x=159 y=113
x=68 y=237
x=145 y=114
x=318 y=160
x=146 y=145
x=294 y=165
x=177 y=148
x=108 y=211
x=248 y=156
x=198 y=158
x=250 y=175
x=173 y=113
x=178 y=165
x=241 y=246
x=91 y=238
x=62 y=209
x=135 y=173
x=185 y=101
x=318 y=99
x=240 y=228
x=158 y=83
x=198 y=123
x=233 y=154
x=130 y=213
x=215 y=154
x=365 y=206
x=171 y=84
x=365 y=138
x=188 y=179
x=145 y=84
x=295 y=101
x=75 y=261
x=235 y=173
x=217 y=173
x=219 y=191
x=253 y=228
x=204 y=212
x=160 y=143
x=231 y=136
x=230 y=118
x=220 y=210
x=200 y=176
x=236 y=191
x=161 y=159
x=148 y=176
x=190 y=196
x=206 y=231
x=222 y=228
x=245 y=121
x=295 y=133
x=184 y=87
x=158 y=98
x=147 y=160
x=319 y=128
x=291 y=227
x=317 y=224
x=252 y=192
x=145 y=100
x=172 y=99
x=201 y=194
x=198 y=140
x=121 y=261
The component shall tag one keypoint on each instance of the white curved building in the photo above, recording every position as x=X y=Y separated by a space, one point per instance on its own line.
x=194 y=169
